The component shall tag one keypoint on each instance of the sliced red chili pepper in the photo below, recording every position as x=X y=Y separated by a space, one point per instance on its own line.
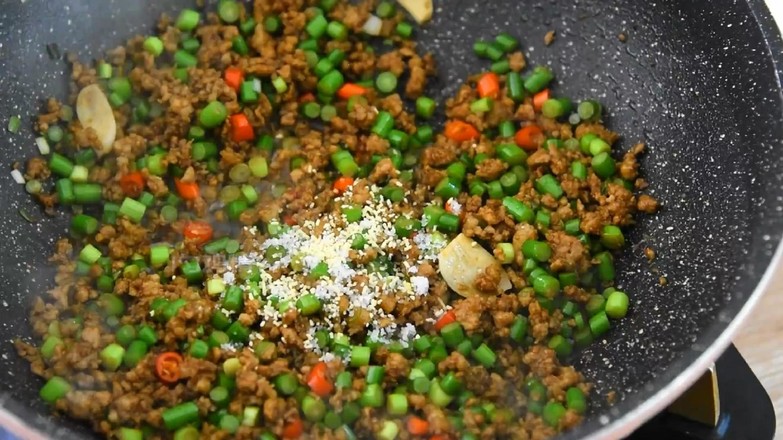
x=167 y=367
x=200 y=232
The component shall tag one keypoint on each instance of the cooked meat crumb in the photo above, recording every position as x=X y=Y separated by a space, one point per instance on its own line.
x=549 y=38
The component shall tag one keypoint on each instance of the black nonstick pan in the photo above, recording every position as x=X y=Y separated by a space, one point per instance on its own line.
x=699 y=81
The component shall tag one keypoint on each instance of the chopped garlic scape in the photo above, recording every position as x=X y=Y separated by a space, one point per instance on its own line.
x=43 y=145
x=94 y=112
x=18 y=177
x=373 y=26
x=421 y=10
x=462 y=261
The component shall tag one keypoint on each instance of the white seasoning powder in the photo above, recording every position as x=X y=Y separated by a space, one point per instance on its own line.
x=327 y=240
x=454 y=206
x=421 y=285
x=328 y=357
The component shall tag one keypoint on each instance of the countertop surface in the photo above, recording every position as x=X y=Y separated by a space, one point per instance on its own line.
x=760 y=343
x=760 y=339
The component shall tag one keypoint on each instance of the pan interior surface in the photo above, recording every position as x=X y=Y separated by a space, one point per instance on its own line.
x=697 y=81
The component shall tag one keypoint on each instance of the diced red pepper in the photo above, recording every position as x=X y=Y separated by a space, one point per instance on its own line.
x=318 y=380
x=529 y=137
x=241 y=130
x=417 y=426
x=488 y=85
x=289 y=220
x=307 y=97
x=461 y=131
x=342 y=184
x=132 y=184
x=233 y=76
x=539 y=99
x=187 y=190
x=293 y=429
x=445 y=319
x=349 y=90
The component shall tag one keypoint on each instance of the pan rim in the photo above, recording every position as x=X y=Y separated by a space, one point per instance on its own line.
x=634 y=419
x=637 y=415
x=629 y=422
x=18 y=427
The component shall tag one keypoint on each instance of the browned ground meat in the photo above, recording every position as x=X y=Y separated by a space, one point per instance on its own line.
x=517 y=61
x=37 y=168
x=393 y=62
x=490 y=169
x=629 y=167
x=549 y=38
x=598 y=129
x=51 y=116
x=568 y=253
x=647 y=204
x=489 y=279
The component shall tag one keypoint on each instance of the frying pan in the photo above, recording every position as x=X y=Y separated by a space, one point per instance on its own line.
x=699 y=81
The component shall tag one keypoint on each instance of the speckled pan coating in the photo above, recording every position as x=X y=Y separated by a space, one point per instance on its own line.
x=698 y=80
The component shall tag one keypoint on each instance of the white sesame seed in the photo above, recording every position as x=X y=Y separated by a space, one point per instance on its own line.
x=331 y=245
